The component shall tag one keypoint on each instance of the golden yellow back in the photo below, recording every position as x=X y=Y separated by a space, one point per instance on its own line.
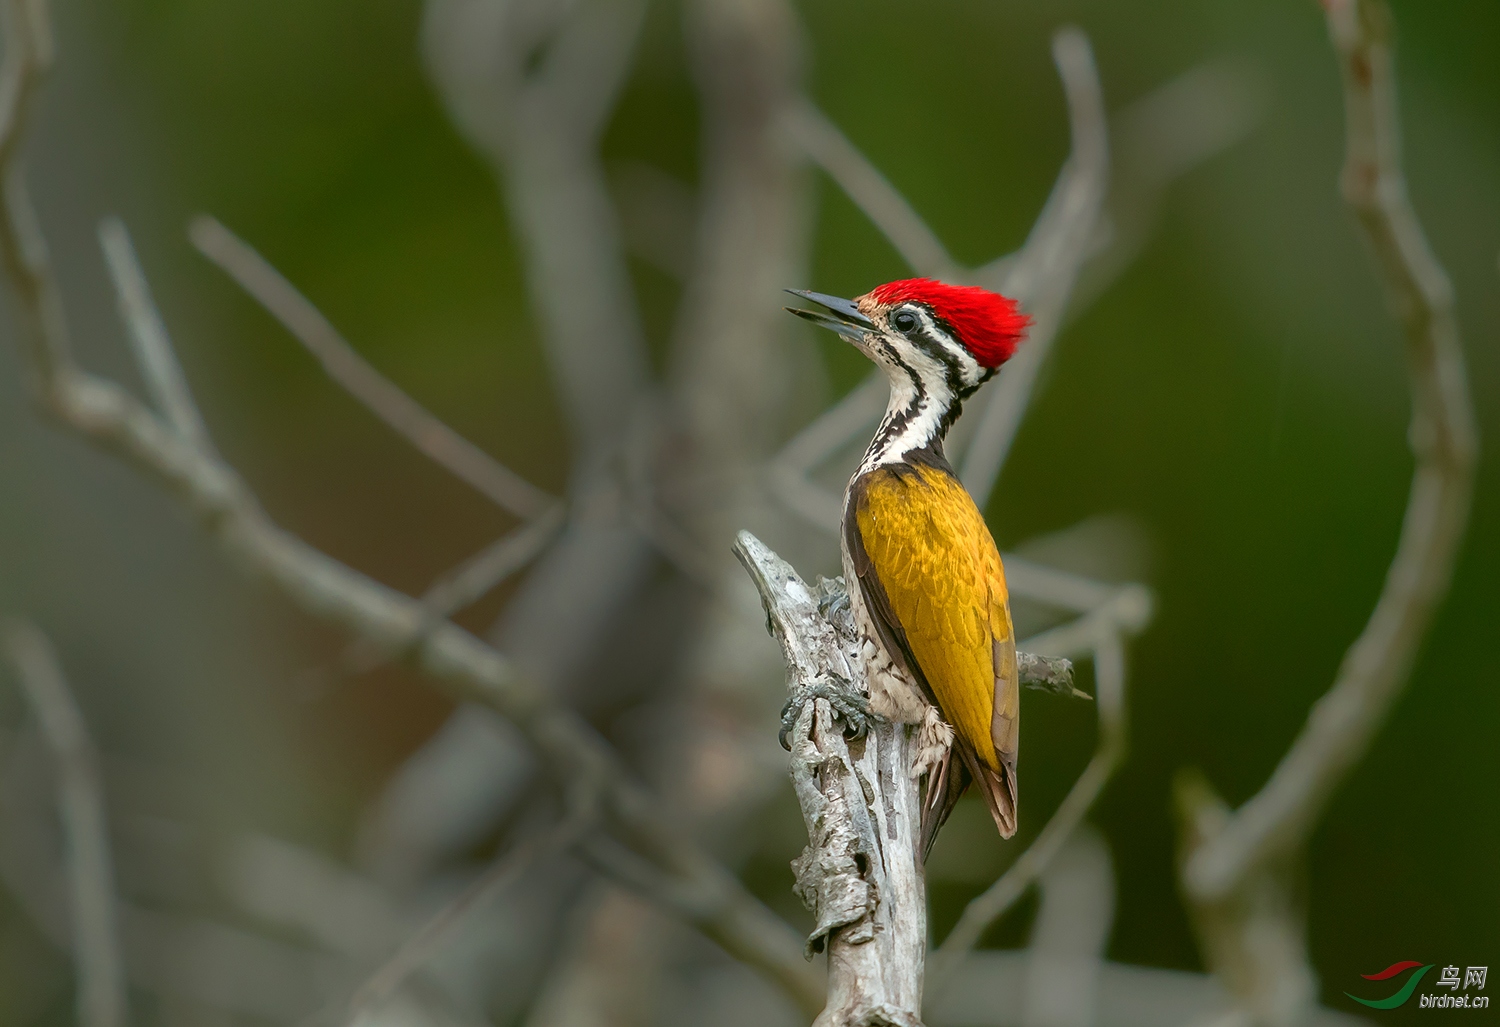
x=940 y=570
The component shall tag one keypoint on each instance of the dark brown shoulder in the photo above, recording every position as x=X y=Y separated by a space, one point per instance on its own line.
x=892 y=635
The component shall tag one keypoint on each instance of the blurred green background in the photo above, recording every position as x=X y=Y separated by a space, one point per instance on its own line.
x=1239 y=391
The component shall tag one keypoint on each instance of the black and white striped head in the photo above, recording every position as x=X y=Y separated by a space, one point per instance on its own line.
x=936 y=342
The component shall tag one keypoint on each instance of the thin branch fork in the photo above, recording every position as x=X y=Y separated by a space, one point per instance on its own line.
x=462 y=663
x=104 y=413
x=153 y=348
x=1040 y=275
x=467 y=667
x=462 y=586
x=531 y=86
x=1046 y=268
x=1239 y=868
x=871 y=192
x=1343 y=722
x=1160 y=137
x=342 y=362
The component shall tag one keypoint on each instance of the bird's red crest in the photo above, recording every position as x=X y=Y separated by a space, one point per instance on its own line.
x=989 y=325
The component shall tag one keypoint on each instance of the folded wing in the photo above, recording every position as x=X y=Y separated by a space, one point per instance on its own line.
x=931 y=576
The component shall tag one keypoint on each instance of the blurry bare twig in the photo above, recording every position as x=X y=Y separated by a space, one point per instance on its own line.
x=27 y=58
x=409 y=419
x=1235 y=863
x=1040 y=275
x=148 y=336
x=467 y=583
x=1158 y=138
x=104 y=413
x=1443 y=440
x=829 y=432
x=503 y=873
x=731 y=368
x=464 y=584
x=80 y=800
x=1069 y=935
x=530 y=85
x=471 y=580
x=643 y=499
x=1045 y=269
x=732 y=378
x=863 y=183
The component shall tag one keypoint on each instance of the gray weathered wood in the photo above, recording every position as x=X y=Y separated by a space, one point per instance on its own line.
x=861 y=873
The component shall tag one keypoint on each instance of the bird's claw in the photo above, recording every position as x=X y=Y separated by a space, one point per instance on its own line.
x=849 y=705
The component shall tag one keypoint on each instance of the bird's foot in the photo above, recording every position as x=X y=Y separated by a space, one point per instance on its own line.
x=834 y=605
x=849 y=705
x=934 y=739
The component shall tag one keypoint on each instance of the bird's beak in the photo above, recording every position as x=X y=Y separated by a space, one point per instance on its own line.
x=845 y=318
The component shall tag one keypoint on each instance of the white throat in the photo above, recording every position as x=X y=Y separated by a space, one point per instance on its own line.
x=914 y=416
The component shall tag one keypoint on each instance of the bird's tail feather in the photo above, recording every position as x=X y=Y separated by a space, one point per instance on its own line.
x=946 y=783
x=948 y=780
x=999 y=790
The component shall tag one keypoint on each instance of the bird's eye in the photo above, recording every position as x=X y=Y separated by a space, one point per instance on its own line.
x=904 y=320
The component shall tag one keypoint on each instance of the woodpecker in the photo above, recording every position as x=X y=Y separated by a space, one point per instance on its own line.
x=926 y=585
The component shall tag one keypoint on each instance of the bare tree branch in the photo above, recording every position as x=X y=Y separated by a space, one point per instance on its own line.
x=731 y=367
x=1044 y=271
x=886 y=208
x=1059 y=238
x=1127 y=611
x=27 y=58
x=861 y=872
x=404 y=415
x=1342 y=723
x=530 y=84
x=1068 y=937
x=643 y=499
x=102 y=412
x=1158 y=139
x=1240 y=869
x=467 y=583
x=80 y=800
x=1040 y=275
x=1063 y=589
x=505 y=871
x=466 y=666
x=1161 y=137
x=733 y=377
x=473 y=579
x=148 y=335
